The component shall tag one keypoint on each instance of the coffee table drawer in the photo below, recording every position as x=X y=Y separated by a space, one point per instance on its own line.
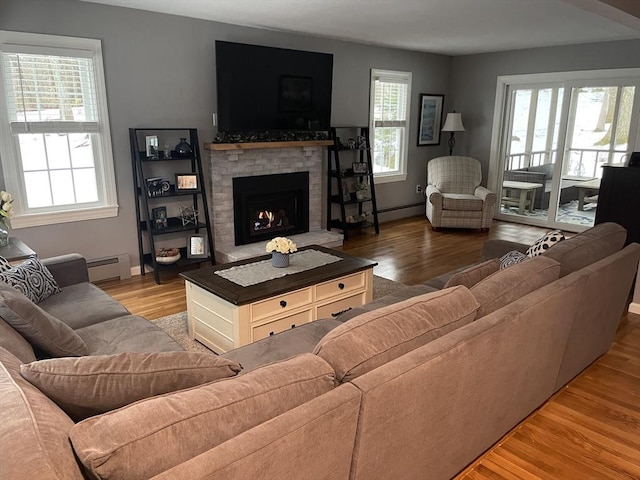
x=331 y=310
x=281 y=304
x=340 y=285
x=277 y=326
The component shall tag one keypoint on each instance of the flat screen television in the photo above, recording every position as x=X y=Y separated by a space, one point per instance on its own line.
x=266 y=88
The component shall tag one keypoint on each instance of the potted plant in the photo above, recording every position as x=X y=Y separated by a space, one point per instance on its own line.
x=362 y=191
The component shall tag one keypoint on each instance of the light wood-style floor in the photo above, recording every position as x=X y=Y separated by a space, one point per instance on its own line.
x=588 y=430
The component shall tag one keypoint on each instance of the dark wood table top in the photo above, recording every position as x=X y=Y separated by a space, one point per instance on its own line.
x=16 y=250
x=239 y=295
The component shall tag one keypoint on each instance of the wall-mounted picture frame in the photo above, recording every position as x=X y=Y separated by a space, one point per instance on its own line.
x=431 y=106
x=151 y=142
x=197 y=246
x=360 y=168
x=159 y=216
x=187 y=182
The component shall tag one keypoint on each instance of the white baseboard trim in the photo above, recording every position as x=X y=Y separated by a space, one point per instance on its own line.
x=634 y=308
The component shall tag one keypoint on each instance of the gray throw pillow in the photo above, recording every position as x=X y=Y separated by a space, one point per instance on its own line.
x=32 y=279
x=41 y=329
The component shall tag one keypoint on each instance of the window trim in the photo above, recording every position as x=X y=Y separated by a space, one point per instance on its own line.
x=401 y=174
x=10 y=158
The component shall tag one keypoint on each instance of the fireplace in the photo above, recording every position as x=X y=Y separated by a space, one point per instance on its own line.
x=268 y=206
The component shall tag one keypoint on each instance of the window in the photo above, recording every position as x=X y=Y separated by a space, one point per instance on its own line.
x=389 y=117
x=56 y=147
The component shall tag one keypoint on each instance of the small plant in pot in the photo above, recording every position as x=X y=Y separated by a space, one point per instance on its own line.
x=362 y=191
x=280 y=248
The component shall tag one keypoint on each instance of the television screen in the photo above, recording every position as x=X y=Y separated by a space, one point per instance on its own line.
x=266 y=88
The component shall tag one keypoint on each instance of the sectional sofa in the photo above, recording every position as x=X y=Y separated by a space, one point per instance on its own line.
x=413 y=386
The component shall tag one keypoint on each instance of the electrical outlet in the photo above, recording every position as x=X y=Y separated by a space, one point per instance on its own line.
x=214 y=119
x=418 y=188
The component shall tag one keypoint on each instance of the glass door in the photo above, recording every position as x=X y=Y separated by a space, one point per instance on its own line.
x=597 y=135
x=553 y=139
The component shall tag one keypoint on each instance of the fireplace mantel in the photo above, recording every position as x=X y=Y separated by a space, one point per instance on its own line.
x=254 y=145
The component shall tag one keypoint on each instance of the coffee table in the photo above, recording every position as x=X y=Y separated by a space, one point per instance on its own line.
x=224 y=315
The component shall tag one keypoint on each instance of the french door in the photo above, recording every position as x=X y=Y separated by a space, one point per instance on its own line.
x=551 y=138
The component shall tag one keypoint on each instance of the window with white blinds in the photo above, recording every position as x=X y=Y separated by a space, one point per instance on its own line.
x=389 y=116
x=56 y=153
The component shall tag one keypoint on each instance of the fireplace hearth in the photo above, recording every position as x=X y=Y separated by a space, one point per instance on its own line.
x=268 y=206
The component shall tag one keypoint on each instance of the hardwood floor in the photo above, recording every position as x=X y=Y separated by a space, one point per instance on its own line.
x=588 y=430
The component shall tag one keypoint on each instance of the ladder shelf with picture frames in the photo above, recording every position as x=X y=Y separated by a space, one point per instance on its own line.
x=351 y=194
x=172 y=214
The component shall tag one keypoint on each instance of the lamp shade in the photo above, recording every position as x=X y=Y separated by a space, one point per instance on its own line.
x=453 y=123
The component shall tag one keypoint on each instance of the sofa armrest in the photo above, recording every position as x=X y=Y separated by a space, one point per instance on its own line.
x=495 y=248
x=68 y=269
x=434 y=196
x=486 y=195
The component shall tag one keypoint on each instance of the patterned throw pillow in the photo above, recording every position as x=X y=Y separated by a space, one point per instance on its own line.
x=511 y=258
x=4 y=264
x=32 y=279
x=545 y=242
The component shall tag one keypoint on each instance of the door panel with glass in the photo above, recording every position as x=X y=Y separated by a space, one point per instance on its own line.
x=555 y=138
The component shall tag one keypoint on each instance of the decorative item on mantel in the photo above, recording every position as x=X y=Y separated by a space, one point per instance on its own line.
x=280 y=248
x=183 y=148
x=269 y=136
x=6 y=212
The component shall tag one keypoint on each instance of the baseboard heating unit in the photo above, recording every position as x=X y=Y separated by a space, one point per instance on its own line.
x=107 y=268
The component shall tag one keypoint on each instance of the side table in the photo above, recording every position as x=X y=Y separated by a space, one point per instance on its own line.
x=16 y=251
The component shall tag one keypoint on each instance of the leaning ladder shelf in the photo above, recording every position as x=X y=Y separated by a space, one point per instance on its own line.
x=342 y=177
x=144 y=168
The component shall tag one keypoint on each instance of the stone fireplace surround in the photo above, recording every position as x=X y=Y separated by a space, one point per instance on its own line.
x=224 y=165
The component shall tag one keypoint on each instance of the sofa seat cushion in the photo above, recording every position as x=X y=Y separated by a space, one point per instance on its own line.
x=377 y=337
x=509 y=284
x=34 y=432
x=126 y=334
x=83 y=304
x=461 y=201
x=43 y=331
x=92 y=385
x=587 y=247
x=132 y=442
x=280 y=346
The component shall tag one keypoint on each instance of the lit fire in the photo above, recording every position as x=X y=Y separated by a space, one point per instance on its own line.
x=265 y=218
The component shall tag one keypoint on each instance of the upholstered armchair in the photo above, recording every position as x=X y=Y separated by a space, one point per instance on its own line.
x=455 y=198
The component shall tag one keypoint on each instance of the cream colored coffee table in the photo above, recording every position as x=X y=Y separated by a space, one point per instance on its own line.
x=224 y=315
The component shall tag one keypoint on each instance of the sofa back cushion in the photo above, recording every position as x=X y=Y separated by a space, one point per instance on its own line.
x=510 y=284
x=473 y=274
x=43 y=331
x=143 y=439
x=34 y=432
x=377 y=337
x=587 y=247
x=15 y=343
x=87 y=386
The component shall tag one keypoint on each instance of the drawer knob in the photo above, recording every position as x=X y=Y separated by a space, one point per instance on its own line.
x=270 y=334
x=340 y=312
x=341 y=286
x=293 y=325
x=283 y=303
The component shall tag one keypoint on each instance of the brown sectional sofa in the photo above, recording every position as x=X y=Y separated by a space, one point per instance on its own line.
x=413 y=386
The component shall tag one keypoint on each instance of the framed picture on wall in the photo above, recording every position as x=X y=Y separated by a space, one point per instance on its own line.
x=430 y=119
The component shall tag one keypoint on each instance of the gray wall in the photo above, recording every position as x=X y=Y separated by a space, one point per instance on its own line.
x=160 y=71
x=474 y=82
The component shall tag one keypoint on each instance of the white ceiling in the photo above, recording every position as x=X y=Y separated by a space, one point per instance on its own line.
x=450 y=27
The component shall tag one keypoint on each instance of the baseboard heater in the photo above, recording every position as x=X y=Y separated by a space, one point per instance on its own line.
x=107 y=268
x=400 y=207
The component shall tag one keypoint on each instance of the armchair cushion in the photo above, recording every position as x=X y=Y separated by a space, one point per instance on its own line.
x=461 y=201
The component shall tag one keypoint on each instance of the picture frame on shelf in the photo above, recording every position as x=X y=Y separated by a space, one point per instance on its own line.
x=187 y=182
x=431 y=107
x=154 y=186
x=346 y=194
x=151 y=142
x=360 y=168
x=159 y=215
x=197 y=246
